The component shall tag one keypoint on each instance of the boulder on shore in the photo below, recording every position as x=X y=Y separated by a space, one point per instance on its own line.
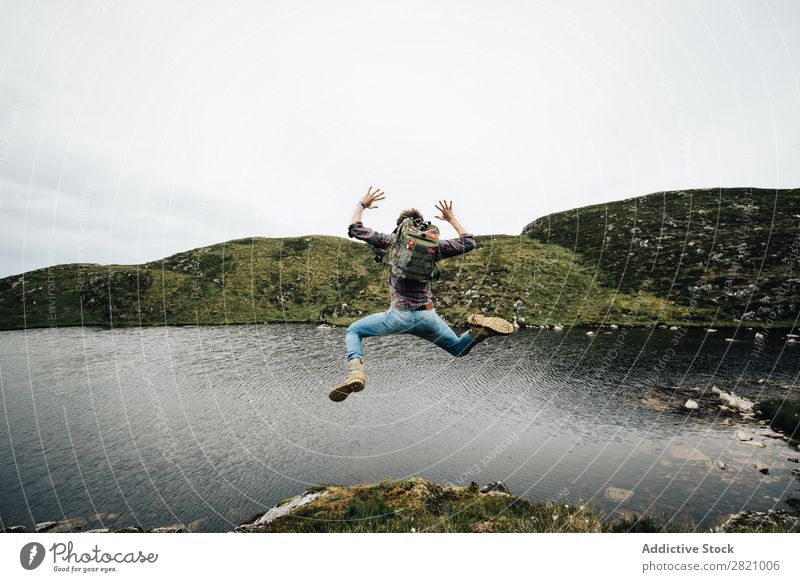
x=495 y=487
x=732 y=401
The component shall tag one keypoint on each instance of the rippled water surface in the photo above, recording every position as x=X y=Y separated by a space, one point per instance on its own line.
x=207 y=426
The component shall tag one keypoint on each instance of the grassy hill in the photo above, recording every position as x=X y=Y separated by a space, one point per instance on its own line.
x=640 y=261
x=729 y=253
x=313 y=279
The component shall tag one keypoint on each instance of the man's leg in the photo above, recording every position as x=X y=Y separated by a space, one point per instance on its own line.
x=384 y=323
x=434 y=329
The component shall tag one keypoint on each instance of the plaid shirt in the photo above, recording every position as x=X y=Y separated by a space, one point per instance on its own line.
x=406 y=294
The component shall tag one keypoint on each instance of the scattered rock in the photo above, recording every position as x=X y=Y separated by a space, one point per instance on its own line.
x=687 y=453
x=98 y=530
x=70 y=525
x=45 y=526
x=751 y=521
x=691 y=405
x=129 y=529
x=792 y=459
x=761 y=468
x=756 y=444
x=15 y=529
x=720 y=465
x=495 y=487
x=617 y=494
x=280 y=511
x=196 y=524
x=732 y=401
x=652 y=400
x=177 y=528
x=589 y=333
x=743 y=436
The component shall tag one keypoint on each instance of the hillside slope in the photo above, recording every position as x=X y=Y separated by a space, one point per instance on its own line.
x=729 y=253
x=315 y=279
x=692 y=257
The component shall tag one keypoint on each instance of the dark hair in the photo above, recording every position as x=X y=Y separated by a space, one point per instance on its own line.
x=410 y=213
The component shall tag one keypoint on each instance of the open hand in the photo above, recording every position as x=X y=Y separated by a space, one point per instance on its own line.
x=445 y=210
x=372 y=196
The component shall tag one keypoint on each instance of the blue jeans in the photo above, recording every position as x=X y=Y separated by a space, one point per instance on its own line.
x=425 y=323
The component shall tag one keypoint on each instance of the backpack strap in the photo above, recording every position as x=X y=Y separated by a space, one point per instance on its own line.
x=381 y=253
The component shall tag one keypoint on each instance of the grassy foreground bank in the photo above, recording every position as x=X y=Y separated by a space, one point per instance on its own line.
x=417 y=505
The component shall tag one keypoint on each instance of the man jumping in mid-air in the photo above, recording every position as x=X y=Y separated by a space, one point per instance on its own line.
x=411 y=252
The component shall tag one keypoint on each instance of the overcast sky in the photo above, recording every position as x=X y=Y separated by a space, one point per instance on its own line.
x=133 y=130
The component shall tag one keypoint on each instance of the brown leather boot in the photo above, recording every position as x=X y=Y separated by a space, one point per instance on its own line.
x=355 y=381
x=482 y=326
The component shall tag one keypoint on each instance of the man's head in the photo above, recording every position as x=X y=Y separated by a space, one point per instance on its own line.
x=410 y=213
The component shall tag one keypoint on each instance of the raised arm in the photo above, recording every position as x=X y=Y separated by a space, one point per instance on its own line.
x=446 y=210
x=456 y=246
x=357 y=228
x=366 y=202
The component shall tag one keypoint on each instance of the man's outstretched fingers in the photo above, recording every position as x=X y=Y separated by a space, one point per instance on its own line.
x=370 y=197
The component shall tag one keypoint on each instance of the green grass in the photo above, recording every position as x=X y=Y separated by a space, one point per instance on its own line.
x=418 y=505
x=676 y=257
x=725 y=252
x=315 y=279
x=400 y=506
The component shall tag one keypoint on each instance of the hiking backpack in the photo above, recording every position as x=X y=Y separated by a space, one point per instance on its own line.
x=414 y=251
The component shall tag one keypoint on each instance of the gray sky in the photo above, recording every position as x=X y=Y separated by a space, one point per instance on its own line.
x=133 y=130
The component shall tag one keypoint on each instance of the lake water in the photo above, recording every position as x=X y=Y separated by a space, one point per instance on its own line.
x=207 y=426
